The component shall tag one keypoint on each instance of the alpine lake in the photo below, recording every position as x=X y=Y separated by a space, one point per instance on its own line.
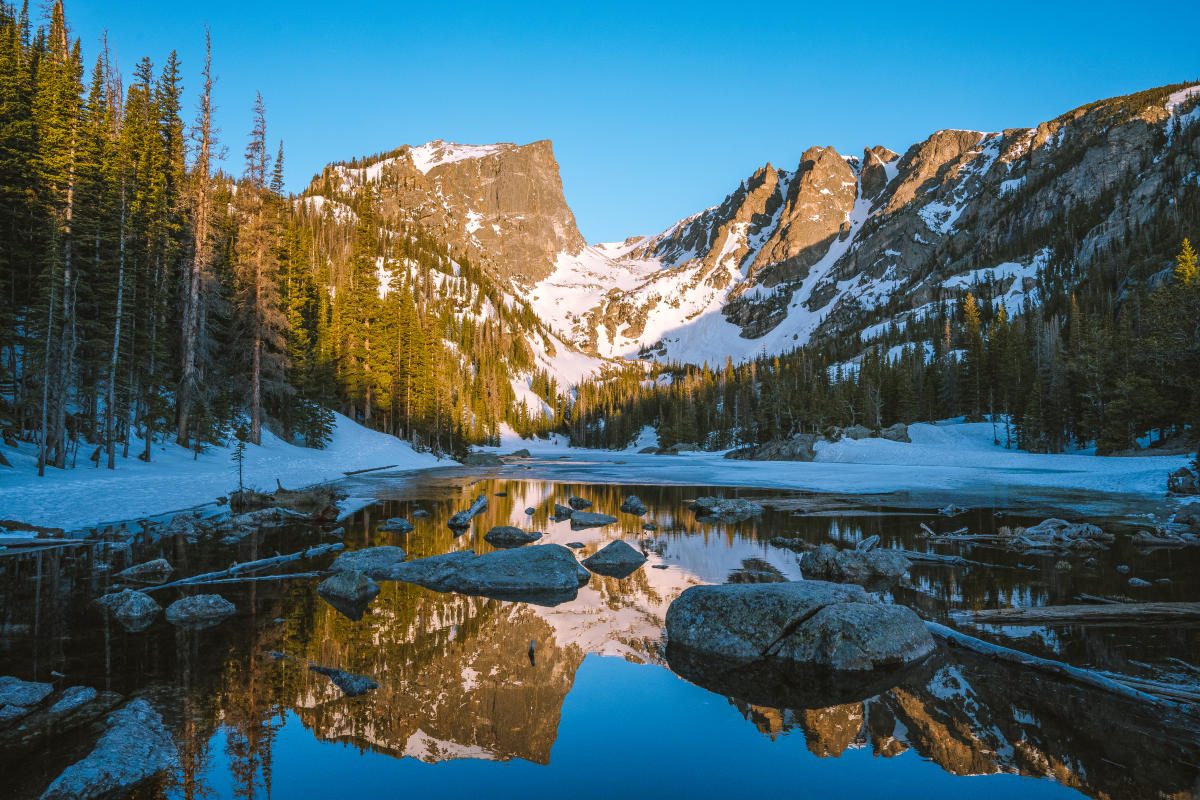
x=480 y=697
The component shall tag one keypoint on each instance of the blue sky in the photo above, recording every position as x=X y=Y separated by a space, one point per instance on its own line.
x=656 y=110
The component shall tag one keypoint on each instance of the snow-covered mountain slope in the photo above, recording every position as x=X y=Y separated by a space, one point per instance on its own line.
x=839 y=244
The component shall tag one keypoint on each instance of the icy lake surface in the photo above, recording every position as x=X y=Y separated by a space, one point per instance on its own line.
x=466 y=709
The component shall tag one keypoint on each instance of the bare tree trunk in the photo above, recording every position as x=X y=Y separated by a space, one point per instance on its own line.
x=110 y=402
x=46 y=382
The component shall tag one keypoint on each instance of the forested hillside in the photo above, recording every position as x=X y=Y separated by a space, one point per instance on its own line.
x=147 y=294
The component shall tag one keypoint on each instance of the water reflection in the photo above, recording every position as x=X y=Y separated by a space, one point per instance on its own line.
x=458 y=684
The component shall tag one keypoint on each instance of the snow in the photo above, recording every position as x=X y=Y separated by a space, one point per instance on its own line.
x=1177 y=99
x=87 y=496
x=436 y=153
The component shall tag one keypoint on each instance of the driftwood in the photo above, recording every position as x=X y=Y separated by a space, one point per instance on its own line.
x=462 y=519
x=369 y=469
x=953 y=561
x=1116 y=685
x=1102 y=612
x=253 y=578
x=251 y=566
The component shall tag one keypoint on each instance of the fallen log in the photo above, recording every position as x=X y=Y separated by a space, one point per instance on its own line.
x=253 y=578
x=1082 y=614
x=1058 y=669
x=251 y=566
x=953 y=561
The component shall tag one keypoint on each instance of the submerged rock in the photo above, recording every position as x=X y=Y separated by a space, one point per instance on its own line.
x=812 y=623
x=578 y=503
x=649 y=526
x=795 y=545
x=616 y=560
x=134 y=748
x=397 y=525
x=351 y=685
x=199 y=611
x=854 y=566
x=150 y=572
x=508 y=536
x=530 y=511
x=589 y=519
x=722 y=509
x=134 y=610
x=372 y=561
x=546 y=574
x=634 y=505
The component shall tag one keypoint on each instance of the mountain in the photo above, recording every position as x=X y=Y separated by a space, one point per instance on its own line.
x=841 y=243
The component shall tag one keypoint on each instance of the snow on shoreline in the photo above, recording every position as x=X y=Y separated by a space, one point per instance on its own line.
x=87 y=496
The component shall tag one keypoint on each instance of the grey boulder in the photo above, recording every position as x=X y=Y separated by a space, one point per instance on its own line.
x=589 y=519
x=199 y=611
x=562 y=512
x=854 y=566
x=508 y=536
x=134 y=610
x=545 y=574
x=351 y=586
x=372 y=561
x=616 y=560
x=811 y=623
x=18 y=697
x=578 y=503
x=725 y=509
x=1189 y=515
x=482 y=460
x=134 y=748
x=396 y=525
x=634 y=505
x=149 y=572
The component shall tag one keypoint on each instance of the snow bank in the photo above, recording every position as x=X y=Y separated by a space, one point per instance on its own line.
x=86 y=496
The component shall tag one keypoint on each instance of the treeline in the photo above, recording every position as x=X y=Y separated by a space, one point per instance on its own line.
x=1099 y=361
x=145 y=295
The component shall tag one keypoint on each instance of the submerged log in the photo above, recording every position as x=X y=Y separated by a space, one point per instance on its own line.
x=1113 y=685
x=1101 y=612
x=252 y=566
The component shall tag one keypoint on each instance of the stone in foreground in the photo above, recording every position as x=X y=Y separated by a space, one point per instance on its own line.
x=351 y=685
x=135 y=747
x=578 y=503
x=374 y=562
x=853 y=566
x=18 y=697
x=589 y=519
x=634 y=505
x=508 y=536
x=199 y=611
x=809 y=623
x=616 y=560
x=546 y=574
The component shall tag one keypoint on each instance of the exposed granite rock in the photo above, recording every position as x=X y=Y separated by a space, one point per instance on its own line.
x=634 y=505
x=545 y=574
x=349 y=586
x=134 y=610
x=397 y=525
x=798 y=448
x=482 y=460
x=509 y=536
x=199 y=611
x=154 y=571
x=578 y=503
x=725 y=509
x=589 y=519
x=852 y=566
x=372 y=561
x=616 y=560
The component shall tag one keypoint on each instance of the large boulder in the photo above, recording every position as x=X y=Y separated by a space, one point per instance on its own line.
x=725 y=509
x=811 y=623
x=374 y=562
x=616 y=560
x=155 y=571
x=562 y=512
x=351 y=586
x=1189 y=515
x=134 y=748
x=199 y=611
x=482 y=460
x=853 y=566
x=634 y=505
x=545 y=574
x=508 y=536
x=578 y=503
x=799 y=448
x=18 y=697
x=134 y=610
x=1183 y=481
x=590 y=519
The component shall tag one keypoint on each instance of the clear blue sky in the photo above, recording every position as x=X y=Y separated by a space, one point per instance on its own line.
x=656 y=110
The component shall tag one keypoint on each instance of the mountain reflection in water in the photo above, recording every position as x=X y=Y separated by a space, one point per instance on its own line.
x=463 y=710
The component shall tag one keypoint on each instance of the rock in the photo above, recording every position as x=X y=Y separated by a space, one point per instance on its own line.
x=676 y=449
x=374 y=562
x=315 y=502
x=1189 y=515
x=134 y=610
x=1183 y=481
x=588 y=519
x=419 y=513
x=801 y=447
x=952 y=510
x=351 y=685
x=812 y=623
x=854 y=566
x=462 y=519
x=350 y=586
x=649 y=526
x=755 y=570
x=578 y=503
x=795 y=545
x=634 y=505
x=73 y=698
x=134 y=748
x=648 y=451
x=530 y=511
x=397 y=525
x=18 y=697
x=721 y=509
x=896 y=433
x=199 y=611
x=1062 y=565
x=562 y=512
x=1138 y=583
x=154 y=571
x=575 y=545
x=616 y=560
x=522 y=453
x=508 y=536
x=1123 y=569
x=482 y=460
x=856 y=432
x=545 y=574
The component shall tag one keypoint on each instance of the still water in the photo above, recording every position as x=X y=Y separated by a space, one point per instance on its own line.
x=465 y=710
